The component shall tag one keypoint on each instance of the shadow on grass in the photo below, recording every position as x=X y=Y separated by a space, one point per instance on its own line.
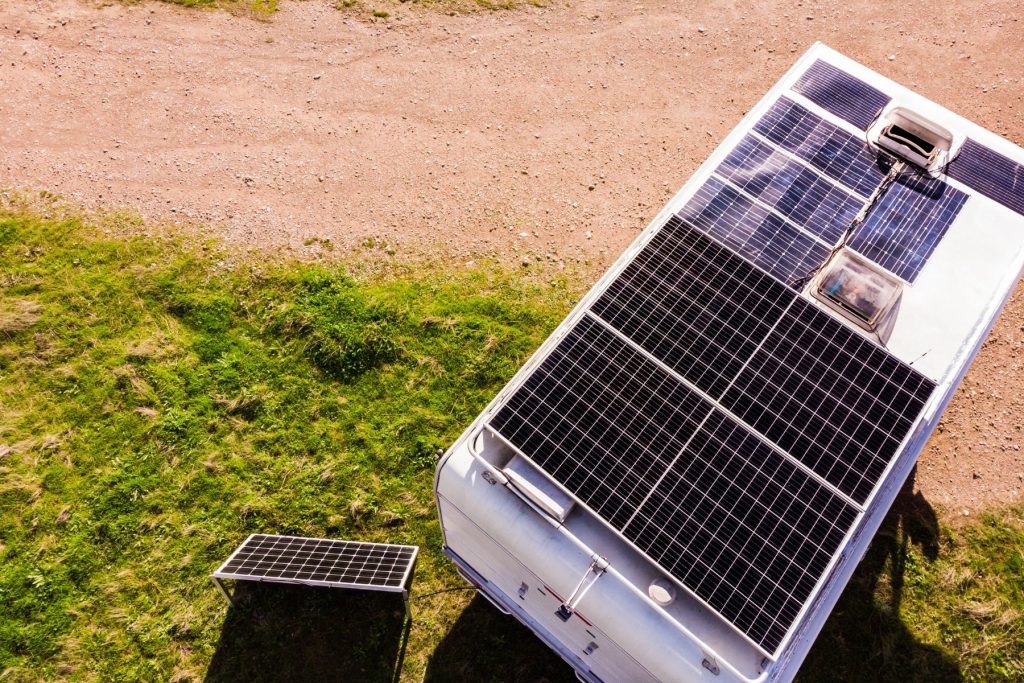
x=291 y=633
x=485 y=645
x=865 y=638
x=276 y=632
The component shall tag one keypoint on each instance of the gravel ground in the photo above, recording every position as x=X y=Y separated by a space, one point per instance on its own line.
x=542 y=134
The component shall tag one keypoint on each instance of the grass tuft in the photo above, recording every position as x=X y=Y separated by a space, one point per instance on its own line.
x=260 y=10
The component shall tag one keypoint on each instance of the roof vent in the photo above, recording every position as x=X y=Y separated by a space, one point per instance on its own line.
x=913 y=138
x=858 y=290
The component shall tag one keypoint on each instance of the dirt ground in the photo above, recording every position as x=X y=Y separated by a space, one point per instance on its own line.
x=548 y=134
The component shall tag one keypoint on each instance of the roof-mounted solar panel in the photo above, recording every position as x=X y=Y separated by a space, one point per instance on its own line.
x=990 y=173
x=842 y=94
x=734 y=406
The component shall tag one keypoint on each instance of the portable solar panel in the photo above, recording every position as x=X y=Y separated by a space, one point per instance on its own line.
x=729 y=413
x=320 y=562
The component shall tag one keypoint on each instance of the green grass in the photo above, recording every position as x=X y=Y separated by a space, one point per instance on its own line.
x=161 y=398
x=929 y=603
x=158 y=406
x=257 y=9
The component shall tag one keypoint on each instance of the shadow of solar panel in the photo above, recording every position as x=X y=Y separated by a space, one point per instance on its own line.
x=990 y=173
x=744 y=528
x=315 y=560
x=602 y=419
x=836 y=91
x=824 y=145
x=791 y=188
x=906 y=224
x=753 y=231
x=694 y=305
x=830 y=398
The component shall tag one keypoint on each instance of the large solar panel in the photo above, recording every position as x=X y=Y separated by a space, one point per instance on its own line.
x=832 y=399
x=697 y=379
x=682 y=301
x=824 y=145
x=903 y=229
x=743 y=527
x=834 y=90
x=321 y=562
x=702 y=495
x=602 y=419
x=990 y=173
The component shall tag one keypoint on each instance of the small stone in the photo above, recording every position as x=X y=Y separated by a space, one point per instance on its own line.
x=318 y=77
x=892 y=58
x=701 y=29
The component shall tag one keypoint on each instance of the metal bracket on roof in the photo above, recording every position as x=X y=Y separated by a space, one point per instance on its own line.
x=711 y=665
x=597 y=567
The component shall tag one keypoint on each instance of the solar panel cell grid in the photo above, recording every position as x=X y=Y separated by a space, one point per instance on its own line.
x=833 y=400
x=601 y=419
x=745 y=529
x=694 y=306
x=836 y=91
x=753 y=231
x=907 y=223
x=289 y=558
x=830 y=149
x=700 y=491
x=990 y=173
x=791 y=188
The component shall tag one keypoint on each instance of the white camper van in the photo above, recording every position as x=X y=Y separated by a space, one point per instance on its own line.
x=679 y=483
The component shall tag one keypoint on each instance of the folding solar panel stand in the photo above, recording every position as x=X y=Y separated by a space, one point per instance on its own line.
x=322 y=563
x=679 y=483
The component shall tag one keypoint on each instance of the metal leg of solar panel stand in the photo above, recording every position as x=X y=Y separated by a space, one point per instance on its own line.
x=407 y=589
x=223 y=590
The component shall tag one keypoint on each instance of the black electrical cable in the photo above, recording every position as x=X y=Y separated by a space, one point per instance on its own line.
x=895 y=172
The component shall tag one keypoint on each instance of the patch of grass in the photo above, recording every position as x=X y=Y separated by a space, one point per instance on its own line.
x=256 y=9
x=926 y=605
x=161 y=399
x=158 y=406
